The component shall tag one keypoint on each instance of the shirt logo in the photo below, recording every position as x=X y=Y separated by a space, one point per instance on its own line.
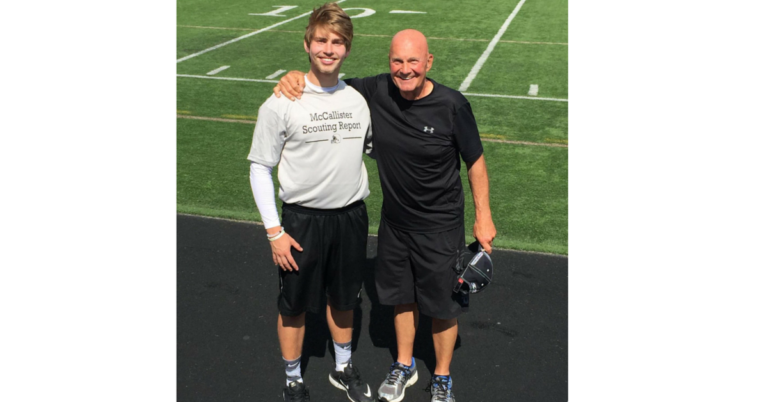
x=430 y=129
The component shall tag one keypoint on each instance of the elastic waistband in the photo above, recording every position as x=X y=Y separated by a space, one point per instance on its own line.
x=316 y=211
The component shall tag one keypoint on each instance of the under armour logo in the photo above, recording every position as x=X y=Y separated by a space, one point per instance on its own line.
x=430 y=129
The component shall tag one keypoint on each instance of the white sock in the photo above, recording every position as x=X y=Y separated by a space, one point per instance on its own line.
x=343 y=354
x=292 y=370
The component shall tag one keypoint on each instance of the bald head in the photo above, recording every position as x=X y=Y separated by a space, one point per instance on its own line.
x=409 y=61
x=410 y=37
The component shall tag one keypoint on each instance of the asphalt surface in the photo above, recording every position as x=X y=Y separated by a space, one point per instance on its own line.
x=512 y=346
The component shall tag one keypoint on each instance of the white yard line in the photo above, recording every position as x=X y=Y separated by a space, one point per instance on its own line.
x=515 y=97
x=181 y=116
x=406 y=12
x=246 y=36
x=388 y=36
x=536 y=144
x=225 y=78
x=275 y=74
x=340 y=75
x=476 y=69
x=216 y=71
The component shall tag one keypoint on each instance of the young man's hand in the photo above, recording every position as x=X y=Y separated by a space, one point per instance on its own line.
x=281 y=252
x=291 y=85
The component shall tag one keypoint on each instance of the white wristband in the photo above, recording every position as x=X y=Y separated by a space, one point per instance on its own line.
x=282 y=232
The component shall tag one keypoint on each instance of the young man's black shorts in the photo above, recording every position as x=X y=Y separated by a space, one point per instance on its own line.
x=332 y=263
x=418 y=267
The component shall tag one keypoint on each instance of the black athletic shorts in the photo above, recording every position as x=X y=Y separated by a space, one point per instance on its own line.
x=418 y=267
x=331 y=265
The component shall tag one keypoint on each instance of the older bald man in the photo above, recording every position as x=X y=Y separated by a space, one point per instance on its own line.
x=420 y=130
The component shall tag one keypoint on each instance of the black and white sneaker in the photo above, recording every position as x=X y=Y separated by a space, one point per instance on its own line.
x=349 y=380
x=296 y=392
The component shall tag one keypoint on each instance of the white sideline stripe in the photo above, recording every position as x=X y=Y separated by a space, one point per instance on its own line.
x=341 y=75
x=245 y=36
x=406 y=12
x=181 y=116
x=534 y=90
x=275 y=74
x=537 y=144
x=386 y=36
x=476 y=69
x=225 y=78
x=465 y=93
x=218 y=70
x=515 y=97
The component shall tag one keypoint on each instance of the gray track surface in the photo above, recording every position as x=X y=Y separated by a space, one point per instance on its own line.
x=512 y=346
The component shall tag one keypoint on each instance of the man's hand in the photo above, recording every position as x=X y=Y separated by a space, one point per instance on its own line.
x=281 y=252
x=291 y=85
x=484 y=231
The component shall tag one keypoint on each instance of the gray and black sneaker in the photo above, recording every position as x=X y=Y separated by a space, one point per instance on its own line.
x=440 y=387
x=349 y=380
x=296 y=391
x=399 y=378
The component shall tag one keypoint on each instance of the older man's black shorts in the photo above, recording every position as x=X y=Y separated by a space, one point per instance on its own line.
x=418 y=267
x=332 y=263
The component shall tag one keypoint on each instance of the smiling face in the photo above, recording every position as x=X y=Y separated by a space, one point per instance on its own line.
x=409 y=61
x=327 y=52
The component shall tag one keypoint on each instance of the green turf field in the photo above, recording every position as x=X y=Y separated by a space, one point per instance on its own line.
x=525 y=136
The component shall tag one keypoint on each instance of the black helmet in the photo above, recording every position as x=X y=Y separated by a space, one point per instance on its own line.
x=474 y=269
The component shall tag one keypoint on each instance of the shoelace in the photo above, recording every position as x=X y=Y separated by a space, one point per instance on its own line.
x=441 y=390
x=395 y=372
x=297 y=395
x=353 y=378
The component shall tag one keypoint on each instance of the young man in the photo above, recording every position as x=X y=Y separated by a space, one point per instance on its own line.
x=317 y=144
x=422 y=128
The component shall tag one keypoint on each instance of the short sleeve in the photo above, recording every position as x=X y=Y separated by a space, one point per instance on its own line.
x=366 y=86
x=268 y=136
x=466 y=134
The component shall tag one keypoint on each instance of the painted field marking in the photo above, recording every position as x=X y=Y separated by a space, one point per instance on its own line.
x=275 y=74
x=538 y=144
x=341 y=75
x=464 y=93
x=367 y=12
x=387 y=36
x=239 y=116
x=215 y=119
x=274 y=13
x=514 y=97
x=406 y=12
x=534 y=90
x=225 y=78
x=218 y=70
x=245 y=36
x=479 y=64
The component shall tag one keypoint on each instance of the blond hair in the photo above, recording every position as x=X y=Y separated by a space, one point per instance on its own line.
x=333 y=18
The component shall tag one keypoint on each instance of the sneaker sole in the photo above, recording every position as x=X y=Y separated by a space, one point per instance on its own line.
x=410 y=382
x=343 y=388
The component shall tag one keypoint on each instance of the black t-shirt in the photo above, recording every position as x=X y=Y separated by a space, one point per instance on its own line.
x=417 y=146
